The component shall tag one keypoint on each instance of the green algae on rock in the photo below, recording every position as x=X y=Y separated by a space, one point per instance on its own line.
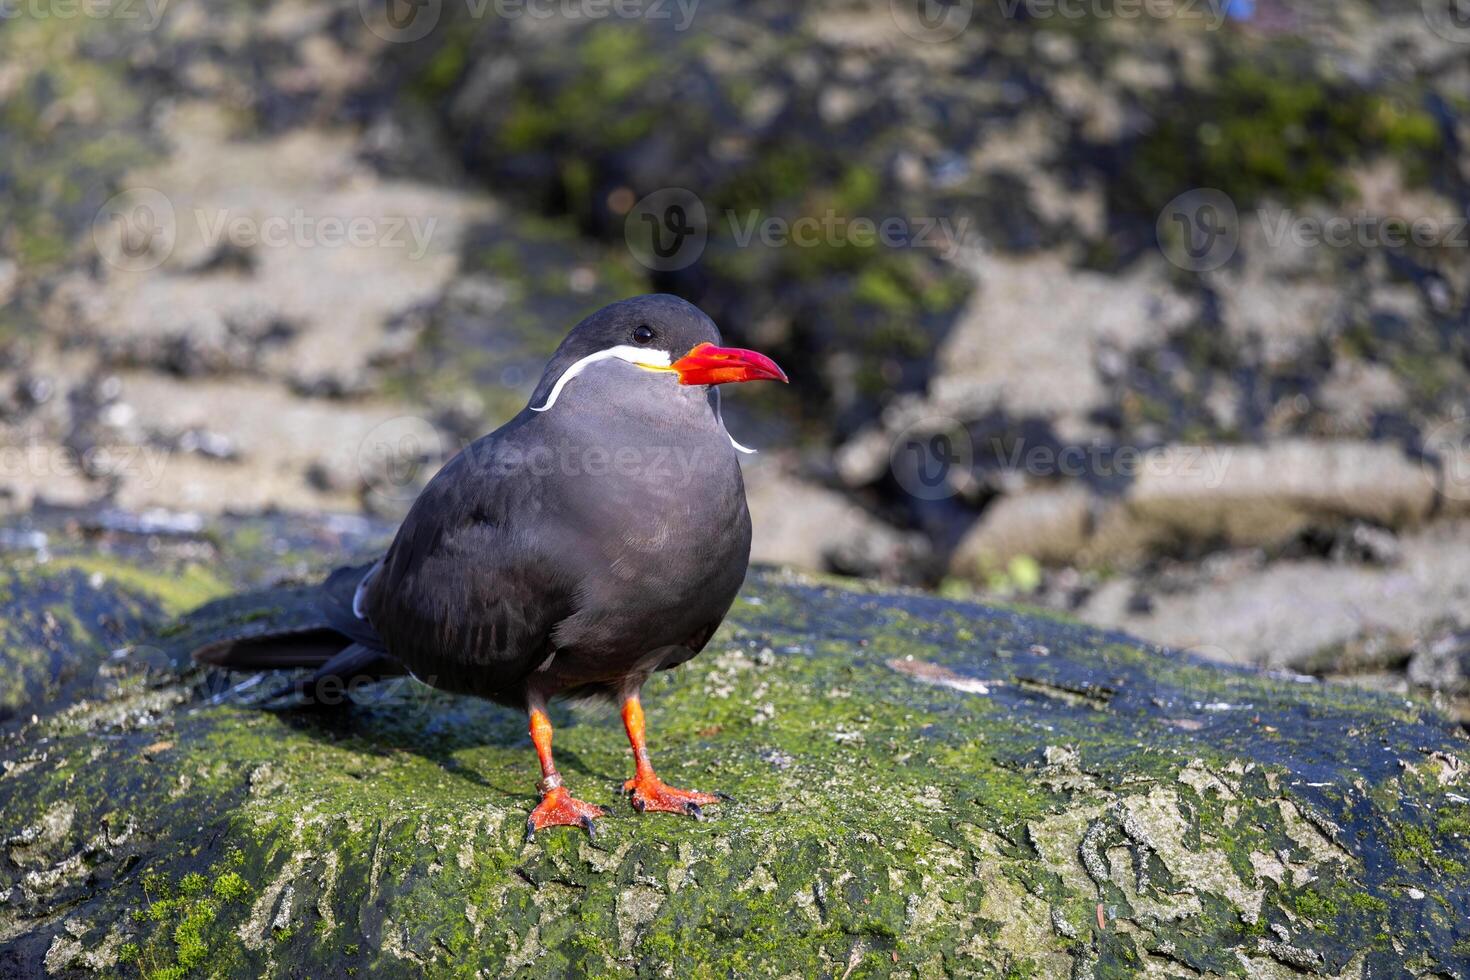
x=57 y=631
x=925 y=787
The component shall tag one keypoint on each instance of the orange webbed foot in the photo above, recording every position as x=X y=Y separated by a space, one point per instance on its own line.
x=559 y=809
x=650 y=793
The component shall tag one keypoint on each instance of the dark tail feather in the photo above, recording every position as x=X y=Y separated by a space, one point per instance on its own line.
x=331 y=683
x=309 y=626
x=281 y=651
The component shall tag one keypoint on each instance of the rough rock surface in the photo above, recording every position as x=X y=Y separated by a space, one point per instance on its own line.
x=925 y=788
x=1231 y=496
x=804 y=525
x=1315 y=607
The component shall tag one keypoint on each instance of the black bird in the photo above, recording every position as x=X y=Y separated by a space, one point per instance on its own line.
x=598 y=536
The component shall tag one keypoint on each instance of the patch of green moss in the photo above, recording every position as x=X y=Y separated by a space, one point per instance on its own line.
x=1449 y=823
x=445 y=68
x=53 y=164
x=177 y=591
x=1277 y=125
x=185 y=934
x=1364 y=902
x=230 y=887
x=1413 y=844
x=879 y=286
x=611 y=64
x=1315 y=906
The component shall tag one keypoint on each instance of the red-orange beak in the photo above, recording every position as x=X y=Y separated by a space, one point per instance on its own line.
x=711 y=365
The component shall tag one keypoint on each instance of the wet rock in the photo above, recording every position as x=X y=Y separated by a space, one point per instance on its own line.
x=1049 y=524
x=211 y=445
x=1443 y=665
x=155 y=522
x=1048 y=369
x=1347 y=497
x=928 y=784
x=59 y=630
x=1253 y=495
x=1363 y=543
x=1306 y=614
x=805 y=525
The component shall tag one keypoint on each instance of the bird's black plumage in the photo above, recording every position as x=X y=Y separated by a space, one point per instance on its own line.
x=574 y=550
x=598 y=536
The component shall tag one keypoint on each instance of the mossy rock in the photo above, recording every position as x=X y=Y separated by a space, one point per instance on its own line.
x=55 y=629
x=1276 y=125
x=925 y=787
x=58 y=163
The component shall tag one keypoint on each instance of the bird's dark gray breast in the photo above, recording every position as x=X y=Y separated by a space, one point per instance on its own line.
x=571 y=550
x=655 y=500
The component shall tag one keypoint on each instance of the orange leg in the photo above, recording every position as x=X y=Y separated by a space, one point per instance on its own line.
x=647 y=790
x=557 y=807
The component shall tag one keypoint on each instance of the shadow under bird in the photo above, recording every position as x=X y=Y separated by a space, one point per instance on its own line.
x=600 y=535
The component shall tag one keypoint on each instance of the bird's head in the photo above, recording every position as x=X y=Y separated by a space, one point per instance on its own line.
x=657 y=333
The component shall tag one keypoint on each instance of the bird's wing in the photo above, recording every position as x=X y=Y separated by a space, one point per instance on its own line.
x=466 y=597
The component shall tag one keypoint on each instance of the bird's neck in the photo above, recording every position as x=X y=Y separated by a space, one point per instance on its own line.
x=626 y=398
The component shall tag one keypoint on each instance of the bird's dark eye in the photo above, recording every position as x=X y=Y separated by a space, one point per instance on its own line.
x=643 y=333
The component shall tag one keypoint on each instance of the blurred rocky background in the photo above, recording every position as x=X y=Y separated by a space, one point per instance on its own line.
x=1169 y=326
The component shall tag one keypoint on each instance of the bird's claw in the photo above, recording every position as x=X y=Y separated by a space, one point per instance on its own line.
x=559 y=809
x=650 y=793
